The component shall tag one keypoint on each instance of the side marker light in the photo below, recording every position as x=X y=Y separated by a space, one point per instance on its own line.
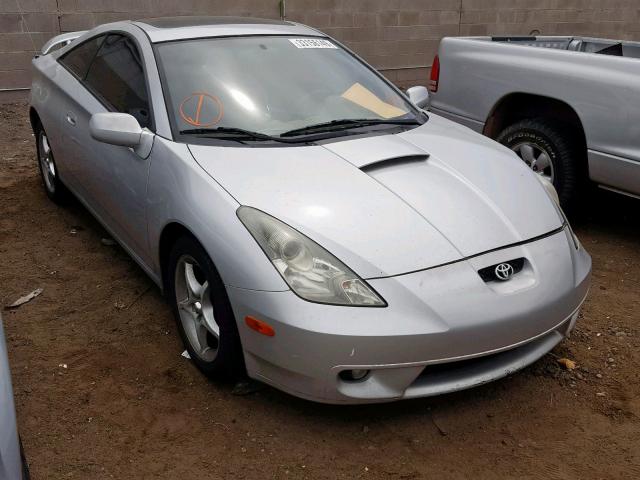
x=259 y=326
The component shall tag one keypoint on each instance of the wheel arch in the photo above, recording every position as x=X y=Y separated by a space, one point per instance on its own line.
x=171 y=232
x=514 y=107
x=517 y=106
x=34 y=118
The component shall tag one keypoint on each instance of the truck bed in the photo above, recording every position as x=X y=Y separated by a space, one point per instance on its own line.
x=574 y=44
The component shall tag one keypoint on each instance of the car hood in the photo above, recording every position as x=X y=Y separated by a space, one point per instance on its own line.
x=391 y=204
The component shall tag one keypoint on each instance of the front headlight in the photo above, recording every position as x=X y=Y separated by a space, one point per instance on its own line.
x=311 y=272
x=553 y=194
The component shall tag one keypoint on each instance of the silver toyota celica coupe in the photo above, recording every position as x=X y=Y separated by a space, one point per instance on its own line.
x=312 y=227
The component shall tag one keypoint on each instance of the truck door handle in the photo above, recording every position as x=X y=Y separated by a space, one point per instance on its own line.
x=71 y=119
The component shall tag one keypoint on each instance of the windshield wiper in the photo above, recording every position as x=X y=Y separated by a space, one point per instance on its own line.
x=232 y=133
x=346 y=123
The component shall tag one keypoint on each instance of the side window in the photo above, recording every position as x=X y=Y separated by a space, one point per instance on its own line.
x=79 y=58
x=117 y=76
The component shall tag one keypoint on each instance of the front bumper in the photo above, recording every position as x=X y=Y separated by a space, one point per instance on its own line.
x=445 y=328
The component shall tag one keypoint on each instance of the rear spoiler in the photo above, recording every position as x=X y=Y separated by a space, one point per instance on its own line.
x=60 y=41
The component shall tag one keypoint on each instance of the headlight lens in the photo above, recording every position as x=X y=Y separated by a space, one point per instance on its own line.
x=311 y=271
x=553 y=194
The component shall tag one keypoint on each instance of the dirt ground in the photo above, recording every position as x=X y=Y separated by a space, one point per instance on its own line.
x=102 y=391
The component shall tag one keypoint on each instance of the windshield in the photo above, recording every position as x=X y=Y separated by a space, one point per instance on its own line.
x=272 y=85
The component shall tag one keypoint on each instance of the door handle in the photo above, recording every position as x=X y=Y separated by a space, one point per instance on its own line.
x=71 y=119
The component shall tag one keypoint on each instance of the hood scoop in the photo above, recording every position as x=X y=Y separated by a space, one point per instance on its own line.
x=373 y=153
x=394 y=161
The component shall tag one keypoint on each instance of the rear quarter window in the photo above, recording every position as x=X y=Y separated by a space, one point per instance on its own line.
x=78 y=59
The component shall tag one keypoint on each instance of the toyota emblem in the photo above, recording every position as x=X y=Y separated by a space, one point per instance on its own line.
x=504 y=271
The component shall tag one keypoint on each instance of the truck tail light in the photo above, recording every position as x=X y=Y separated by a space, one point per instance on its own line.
x=435 y=74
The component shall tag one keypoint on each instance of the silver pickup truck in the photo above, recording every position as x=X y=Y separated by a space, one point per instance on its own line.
x=568 y=106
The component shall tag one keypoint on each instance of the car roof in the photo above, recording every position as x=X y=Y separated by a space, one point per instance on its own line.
x=184 y=27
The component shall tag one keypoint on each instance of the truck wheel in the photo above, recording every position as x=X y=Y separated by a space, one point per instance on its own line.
x=203 y=312
x=549 y=151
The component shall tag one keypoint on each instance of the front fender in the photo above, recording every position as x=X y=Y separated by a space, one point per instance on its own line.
x=180 y=191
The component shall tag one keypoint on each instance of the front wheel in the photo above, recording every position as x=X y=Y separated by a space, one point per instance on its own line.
x=550 y=151
x=203 y=312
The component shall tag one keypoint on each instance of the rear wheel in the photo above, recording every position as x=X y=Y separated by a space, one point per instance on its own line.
x=203 y=312
x=550 y=151
x=53 y=187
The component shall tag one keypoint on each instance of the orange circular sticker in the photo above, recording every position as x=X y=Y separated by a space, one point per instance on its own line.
x=201 y=109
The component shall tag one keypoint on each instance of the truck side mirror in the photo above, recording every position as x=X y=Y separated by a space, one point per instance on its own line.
x=419 y=96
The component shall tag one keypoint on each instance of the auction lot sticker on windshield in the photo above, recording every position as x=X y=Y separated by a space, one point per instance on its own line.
x=312 y=43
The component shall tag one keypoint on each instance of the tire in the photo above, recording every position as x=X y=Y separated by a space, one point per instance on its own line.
x=53 y=186
x=203 y=311
x=563 y=151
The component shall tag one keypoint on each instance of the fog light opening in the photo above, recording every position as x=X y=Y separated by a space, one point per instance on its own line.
x=353 y=375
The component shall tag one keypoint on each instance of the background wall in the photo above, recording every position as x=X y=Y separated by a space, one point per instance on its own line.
x=399 y=37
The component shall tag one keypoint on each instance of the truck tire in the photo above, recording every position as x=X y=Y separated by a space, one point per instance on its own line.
x=549 y=150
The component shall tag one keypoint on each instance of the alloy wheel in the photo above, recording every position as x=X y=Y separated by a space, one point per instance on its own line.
x=193 y=297
x=537 y=158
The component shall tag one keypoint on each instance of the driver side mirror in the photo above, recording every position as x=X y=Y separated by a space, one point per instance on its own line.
x=121 y=129
x=419 y=96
